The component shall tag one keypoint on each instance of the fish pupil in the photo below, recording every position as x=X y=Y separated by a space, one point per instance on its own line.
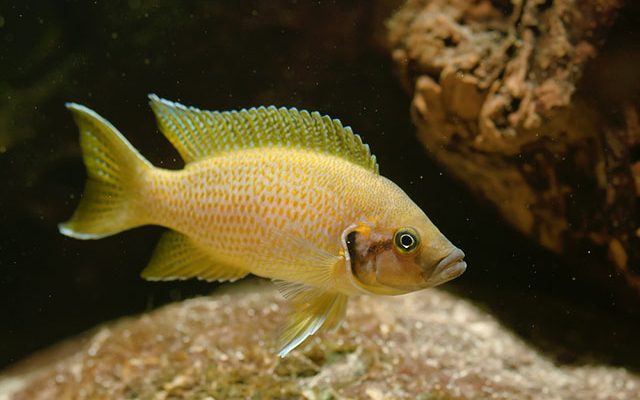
x=407 y=241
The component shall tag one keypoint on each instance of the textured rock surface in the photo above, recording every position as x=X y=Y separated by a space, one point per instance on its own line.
x=506 y=99
x=428 y=345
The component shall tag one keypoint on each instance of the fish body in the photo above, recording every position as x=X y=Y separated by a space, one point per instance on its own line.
x=252 y=206
x=282 y=194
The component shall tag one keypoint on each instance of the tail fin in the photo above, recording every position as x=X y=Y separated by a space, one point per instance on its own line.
x=109 y=204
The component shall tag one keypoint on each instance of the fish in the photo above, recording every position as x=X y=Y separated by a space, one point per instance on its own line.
x=281 y=193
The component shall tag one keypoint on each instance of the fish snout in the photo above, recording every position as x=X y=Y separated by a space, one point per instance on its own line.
x=448 y=268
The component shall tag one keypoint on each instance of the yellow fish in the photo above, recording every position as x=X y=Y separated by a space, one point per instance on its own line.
x=280 y=193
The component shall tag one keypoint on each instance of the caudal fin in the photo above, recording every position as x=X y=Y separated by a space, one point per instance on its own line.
x=111 y=199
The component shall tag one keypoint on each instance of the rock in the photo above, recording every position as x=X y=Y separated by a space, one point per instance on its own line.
x=520 y=101
x=427 y=345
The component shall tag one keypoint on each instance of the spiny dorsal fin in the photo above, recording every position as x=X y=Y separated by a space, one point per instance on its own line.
x=199 y=134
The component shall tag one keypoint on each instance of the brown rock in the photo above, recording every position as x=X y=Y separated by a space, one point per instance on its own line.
x=520 y=102
x=428 y=345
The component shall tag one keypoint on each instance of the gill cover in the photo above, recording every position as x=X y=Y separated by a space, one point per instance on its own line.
x=360 y=258
x=397 y=260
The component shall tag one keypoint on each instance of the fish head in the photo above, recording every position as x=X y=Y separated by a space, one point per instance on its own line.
x=401 y=257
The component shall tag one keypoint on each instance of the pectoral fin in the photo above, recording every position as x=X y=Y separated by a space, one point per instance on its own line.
x=312 y=309
x=178 y=257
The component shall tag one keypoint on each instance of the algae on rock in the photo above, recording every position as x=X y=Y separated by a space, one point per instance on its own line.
x=428 y=345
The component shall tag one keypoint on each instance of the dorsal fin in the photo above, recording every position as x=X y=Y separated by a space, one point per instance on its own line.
x=199 y=134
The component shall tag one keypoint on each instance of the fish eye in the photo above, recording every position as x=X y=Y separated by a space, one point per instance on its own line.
x=406 y=240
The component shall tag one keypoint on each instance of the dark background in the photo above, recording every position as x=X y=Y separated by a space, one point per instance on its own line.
x=323 y=55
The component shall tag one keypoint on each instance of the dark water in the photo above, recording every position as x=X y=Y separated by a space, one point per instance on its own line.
x=325 y=56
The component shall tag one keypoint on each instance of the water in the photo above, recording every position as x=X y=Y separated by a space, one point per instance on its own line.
x=325 y=56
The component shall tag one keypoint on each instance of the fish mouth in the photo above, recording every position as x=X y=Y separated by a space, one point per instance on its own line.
x=450 y=267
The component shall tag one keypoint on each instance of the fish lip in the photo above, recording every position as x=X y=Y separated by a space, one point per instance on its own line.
x=450 y=267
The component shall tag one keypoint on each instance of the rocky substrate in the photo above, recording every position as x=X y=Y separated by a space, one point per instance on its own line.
x=427 y=345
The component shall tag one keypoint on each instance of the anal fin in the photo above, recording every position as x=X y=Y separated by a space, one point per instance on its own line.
x=178 y=257
x=313 y=309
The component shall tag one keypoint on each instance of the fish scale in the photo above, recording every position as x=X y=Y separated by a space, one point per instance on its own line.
x=231 y=203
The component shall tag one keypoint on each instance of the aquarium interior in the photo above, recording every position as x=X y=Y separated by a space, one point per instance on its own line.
x=325 y=55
